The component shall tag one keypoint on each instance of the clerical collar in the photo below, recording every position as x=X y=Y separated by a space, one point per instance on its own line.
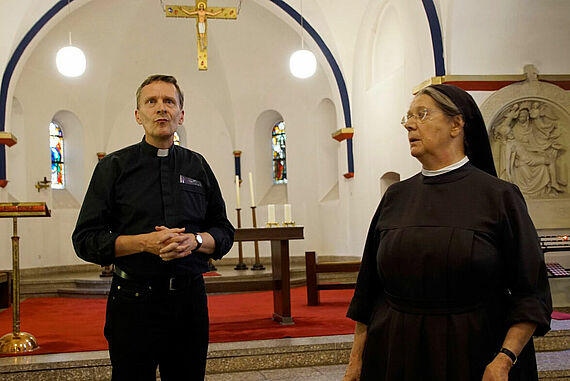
x=152 y=150
x=449 y=168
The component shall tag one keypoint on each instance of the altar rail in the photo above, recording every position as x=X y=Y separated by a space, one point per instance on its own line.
x=312 y=269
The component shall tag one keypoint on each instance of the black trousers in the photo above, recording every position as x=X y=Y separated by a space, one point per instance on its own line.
x=148 y=328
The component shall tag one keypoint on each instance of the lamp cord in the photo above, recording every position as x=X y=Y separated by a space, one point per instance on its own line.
x=301 y=24
x=69 y=14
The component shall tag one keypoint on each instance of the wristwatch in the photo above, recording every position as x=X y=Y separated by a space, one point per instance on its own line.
x=510 y=354
x=199 y=241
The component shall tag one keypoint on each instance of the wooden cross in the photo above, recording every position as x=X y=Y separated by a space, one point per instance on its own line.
x=202 y=13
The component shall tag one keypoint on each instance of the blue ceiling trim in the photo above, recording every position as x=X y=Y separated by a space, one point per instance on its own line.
x=349 y=155
x=328 y=55
x=7 y=77
x=436 y=39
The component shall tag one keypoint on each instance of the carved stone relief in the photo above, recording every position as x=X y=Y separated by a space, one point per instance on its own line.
x=529 y=130
x=530 y=148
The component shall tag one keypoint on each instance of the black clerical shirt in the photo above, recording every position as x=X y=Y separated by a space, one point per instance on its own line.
x=133 y=190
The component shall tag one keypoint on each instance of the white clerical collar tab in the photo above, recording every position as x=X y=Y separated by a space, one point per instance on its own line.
x=162 y=152
x=459 y=164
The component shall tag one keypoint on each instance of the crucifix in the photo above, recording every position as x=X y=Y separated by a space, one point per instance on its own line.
x=202 y=13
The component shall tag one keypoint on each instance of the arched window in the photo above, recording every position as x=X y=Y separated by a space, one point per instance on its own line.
x=176 y=139
x=279 y=154
x=57 y=157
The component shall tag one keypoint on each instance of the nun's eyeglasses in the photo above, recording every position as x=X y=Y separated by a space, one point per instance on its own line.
x=421 y=115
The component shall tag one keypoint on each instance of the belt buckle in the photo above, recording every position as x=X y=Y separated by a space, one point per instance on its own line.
x=170 y=284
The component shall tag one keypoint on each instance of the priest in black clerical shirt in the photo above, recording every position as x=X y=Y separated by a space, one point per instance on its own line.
x=155 y=211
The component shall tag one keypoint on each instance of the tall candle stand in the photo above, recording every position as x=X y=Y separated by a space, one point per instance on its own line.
x=257 y=265
x=240 y=265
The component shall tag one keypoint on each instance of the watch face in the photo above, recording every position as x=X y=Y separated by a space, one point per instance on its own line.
x=199 y=238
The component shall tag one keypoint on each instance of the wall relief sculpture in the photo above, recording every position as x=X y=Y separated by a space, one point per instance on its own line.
x=529 y=129
x=528 y=136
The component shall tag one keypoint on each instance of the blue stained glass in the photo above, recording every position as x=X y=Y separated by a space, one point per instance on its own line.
x=278 y=139
x=57 y=162
x=55 y=156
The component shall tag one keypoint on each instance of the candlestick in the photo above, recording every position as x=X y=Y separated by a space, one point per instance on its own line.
x=287 y=220
x=237 y=193
x=287 y=212
x=241 y=265
x=271 y=216
x=257 y=265
x=251 y=190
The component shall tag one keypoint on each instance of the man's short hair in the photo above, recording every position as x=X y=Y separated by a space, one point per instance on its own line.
x=161 y=78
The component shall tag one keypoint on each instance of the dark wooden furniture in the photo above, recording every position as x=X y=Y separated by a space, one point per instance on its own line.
x=312 y=269
x=279 y=238
x=5 y=289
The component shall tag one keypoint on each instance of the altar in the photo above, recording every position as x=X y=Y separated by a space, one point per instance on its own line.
x=279 y=237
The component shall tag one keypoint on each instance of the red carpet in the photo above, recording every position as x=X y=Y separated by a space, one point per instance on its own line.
x=76 y=325
x=560 y=315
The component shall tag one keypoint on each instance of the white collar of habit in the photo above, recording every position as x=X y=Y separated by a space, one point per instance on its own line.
x=449 y=168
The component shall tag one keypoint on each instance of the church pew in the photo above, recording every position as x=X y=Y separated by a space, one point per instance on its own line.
x=312 y=269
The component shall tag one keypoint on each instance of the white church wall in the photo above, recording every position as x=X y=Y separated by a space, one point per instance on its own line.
x=327 y=150
x=13 y=29
x=490 y=37
x=16 y=154
x=381 y=95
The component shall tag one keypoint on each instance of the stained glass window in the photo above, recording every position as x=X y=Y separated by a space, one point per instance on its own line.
x=57 y=161
x=176 y=139
x=279 y=154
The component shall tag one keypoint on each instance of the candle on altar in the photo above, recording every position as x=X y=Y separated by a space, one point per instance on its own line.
x=251 y=189
x=237 y=192
x=287 y=213
x=271 y=213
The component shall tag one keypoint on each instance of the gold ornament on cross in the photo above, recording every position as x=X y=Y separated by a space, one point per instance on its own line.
x=201 y=12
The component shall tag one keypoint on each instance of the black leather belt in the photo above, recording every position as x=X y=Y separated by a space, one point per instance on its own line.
x=160 y=284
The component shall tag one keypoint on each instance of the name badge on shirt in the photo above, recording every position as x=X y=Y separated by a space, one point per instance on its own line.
x=189 y=180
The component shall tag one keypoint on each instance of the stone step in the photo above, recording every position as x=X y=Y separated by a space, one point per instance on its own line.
x=229 y=358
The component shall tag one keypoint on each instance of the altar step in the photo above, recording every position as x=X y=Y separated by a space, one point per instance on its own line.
x=247 y=361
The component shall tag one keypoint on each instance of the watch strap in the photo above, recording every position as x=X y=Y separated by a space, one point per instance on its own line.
x=509 y=353
x=199 y=241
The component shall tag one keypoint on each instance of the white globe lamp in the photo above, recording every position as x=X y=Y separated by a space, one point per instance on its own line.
x=303 y=63
x=70 y=61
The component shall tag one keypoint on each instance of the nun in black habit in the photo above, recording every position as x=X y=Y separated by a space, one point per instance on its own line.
x=452 y=284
